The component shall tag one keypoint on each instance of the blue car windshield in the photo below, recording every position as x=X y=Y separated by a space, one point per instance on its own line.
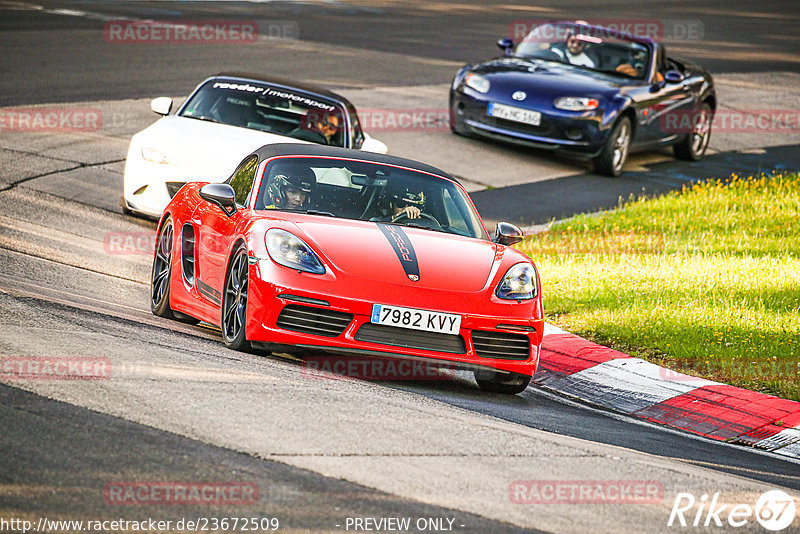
x=367 y=191
x=274 y=109
x=587 y=47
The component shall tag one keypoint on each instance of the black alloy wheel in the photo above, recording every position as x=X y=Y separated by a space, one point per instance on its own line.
x=234 y=302
x=615 y=153
x=162 y=271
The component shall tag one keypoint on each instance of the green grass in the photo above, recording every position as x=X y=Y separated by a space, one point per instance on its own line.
x=705 y=281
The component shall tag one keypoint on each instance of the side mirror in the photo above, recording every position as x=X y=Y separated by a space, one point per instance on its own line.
x=673 y=76
x=507 y=234
x=371 y=144
x=161 y=105
x=220 y=194
x=505 y=45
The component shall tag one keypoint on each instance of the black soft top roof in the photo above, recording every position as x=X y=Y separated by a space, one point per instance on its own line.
x=298 y=149
x=289 y=84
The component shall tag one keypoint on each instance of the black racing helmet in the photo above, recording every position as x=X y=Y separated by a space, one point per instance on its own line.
x=404 y=196
x=296 y=177
x=399 y=196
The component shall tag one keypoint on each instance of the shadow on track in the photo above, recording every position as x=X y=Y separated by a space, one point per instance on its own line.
x=541 y=202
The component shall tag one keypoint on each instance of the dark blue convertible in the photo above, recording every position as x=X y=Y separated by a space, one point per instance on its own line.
x=587 y=91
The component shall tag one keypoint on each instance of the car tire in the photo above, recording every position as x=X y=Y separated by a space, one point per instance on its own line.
x=457 y=125
x=694 y=145
x=615 y=152
x=234 y=301
x=162 y=271
x=500 y=382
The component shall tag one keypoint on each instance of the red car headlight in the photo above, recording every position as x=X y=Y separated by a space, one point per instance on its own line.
x=290 y=251
x=519 y=283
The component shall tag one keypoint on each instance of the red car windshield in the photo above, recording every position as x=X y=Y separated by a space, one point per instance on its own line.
x=368 y=192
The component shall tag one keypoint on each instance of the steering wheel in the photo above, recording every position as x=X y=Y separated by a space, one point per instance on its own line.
x=403 y=215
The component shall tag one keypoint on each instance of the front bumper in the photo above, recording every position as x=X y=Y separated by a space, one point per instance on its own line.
x=302 y=310
x=148 y=187
x=578 y=133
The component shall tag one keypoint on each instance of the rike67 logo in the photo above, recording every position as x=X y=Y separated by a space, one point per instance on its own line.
x=775 y=510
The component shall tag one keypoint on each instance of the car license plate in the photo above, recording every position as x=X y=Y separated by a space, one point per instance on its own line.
x=510 y=113
x=430 y=321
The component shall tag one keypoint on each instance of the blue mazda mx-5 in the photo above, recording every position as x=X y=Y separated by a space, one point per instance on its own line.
x=588 y=91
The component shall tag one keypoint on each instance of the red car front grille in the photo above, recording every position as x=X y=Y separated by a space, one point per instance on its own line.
x=310 y=320
x=411 y=339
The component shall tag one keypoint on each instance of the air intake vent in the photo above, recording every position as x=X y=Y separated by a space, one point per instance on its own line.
x=187 y=253
x=174 y=187
x=501 y=345
x=411 y=339
x=317 y=321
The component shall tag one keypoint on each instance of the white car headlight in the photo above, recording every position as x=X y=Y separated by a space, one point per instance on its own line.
x=154 y=156
x=290 y=251
x=519 y=283
x=477 y=82
x=576 y=103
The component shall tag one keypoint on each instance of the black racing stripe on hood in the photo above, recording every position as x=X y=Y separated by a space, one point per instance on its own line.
x=403 y=248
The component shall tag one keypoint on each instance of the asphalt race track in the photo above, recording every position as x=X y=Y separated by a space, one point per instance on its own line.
x=177 y=407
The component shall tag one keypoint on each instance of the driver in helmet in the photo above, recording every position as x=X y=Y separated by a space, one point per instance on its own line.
x=291 y=190
x=405 y=205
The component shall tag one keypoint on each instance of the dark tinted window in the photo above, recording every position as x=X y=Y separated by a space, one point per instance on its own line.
x=242 y=179
x=355 y=129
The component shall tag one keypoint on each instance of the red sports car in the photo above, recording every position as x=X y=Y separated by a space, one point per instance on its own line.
x=337 y=250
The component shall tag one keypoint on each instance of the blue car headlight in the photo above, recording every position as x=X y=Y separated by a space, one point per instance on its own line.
x=477 y=82
x=576 y=103
x=519 y=283
x=290 y=251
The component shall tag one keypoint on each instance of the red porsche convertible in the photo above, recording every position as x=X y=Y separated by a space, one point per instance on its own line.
x=336 y=250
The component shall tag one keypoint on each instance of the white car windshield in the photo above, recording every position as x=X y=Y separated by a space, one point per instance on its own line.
x=368 y=192
x=273 y=109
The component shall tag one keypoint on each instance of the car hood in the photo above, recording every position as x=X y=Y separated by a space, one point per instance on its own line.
x=204 y=150
x=364 y=250
x=508 y=75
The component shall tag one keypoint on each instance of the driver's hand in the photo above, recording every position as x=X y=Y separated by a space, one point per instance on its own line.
x=412 y=212
x=627 y=69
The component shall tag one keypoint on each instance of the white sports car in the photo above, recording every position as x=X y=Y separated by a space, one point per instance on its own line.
x=227 y=117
